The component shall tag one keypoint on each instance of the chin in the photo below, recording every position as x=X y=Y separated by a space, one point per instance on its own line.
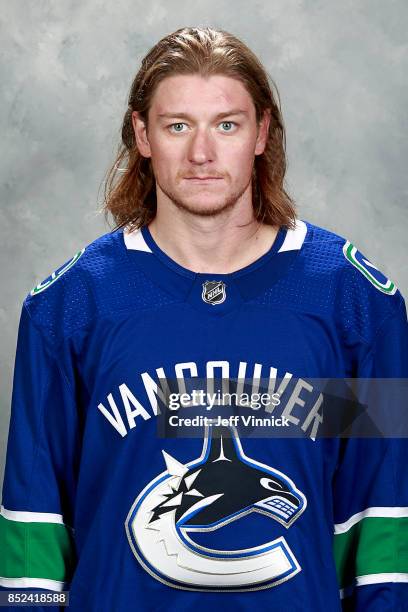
x=207 y=209
x=202 y=204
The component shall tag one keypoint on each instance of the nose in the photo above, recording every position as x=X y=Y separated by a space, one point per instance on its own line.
x=201 y=147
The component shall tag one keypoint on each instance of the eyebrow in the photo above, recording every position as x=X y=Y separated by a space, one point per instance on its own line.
x=187 y=116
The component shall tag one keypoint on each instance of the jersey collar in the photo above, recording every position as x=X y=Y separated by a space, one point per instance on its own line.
x=215 y=293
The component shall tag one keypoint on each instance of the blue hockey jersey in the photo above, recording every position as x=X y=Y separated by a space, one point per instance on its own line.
x=97 y=501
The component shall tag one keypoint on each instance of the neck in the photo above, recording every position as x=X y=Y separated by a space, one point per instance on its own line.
x=221 y=244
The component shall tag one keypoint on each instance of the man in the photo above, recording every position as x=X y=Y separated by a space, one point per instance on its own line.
x=208 y=276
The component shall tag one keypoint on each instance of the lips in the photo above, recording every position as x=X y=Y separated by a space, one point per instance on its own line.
x=203 y=178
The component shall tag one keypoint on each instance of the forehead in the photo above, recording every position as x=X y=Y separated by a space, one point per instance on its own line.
x=201 y=95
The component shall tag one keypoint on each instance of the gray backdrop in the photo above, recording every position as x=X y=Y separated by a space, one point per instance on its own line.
x=66 y=68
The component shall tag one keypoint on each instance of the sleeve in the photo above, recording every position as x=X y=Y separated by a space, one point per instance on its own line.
x=370 y=494
x=37 y=508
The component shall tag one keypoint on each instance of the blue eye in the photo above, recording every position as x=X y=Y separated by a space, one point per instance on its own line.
x=230 y=123
x=174 y=125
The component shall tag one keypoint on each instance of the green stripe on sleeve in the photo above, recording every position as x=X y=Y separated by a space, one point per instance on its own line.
x=36 y=550
x=374 y=545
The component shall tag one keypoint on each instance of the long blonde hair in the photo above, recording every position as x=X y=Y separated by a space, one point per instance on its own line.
x=130 y=189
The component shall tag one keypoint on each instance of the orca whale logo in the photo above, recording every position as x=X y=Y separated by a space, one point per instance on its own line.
x=215 y=490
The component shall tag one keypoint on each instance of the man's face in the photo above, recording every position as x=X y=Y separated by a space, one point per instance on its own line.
x=202 y=138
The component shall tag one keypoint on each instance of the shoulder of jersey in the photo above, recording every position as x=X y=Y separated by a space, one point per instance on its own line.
x=337 y=252
x=98 y=280
x=68 y=297
x=365 y=297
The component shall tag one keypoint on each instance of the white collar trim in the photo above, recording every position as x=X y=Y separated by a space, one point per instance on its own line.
x=134 y=240
x=294 y=237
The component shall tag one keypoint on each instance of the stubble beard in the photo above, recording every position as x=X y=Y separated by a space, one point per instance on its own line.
x=208 y=210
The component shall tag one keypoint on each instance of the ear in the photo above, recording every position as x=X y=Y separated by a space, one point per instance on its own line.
x=263 y=132
x=139 y=128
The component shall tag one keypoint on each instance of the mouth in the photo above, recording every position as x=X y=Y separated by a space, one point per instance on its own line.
x=281 y=506
x=204 y=179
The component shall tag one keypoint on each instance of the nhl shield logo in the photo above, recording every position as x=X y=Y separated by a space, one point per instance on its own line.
x=214 y=292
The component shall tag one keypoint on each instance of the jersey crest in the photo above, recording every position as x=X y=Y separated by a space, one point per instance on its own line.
x=369 y=270
x=214 y=292
x=181 y=506
x=56 y=274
